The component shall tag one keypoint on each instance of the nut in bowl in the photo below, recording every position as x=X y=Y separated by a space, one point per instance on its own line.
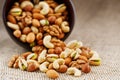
x=33 y=17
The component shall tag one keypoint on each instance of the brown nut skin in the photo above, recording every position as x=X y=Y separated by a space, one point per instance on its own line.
x=11 y=19
x=86 y=68
x=62 y=69
x=50 y=66
x=61 y=36
x=58 y=21
x=35 y=23
x=51 y=51
x=39 y=36
x=32 y=67
x=68 y=60
x=52 y=74
x=83 y=58
x=35 y=10
x=17 y=33
x=30 y=37
x=38 y=16
x=26 y=30
x=40 y=42
x=52 y=19
x=58 y=50
x=28 y=8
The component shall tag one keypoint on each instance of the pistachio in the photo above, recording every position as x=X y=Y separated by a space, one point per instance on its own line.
x=15 y=11
x=32 y=56
x=44 y=22
x=22 y=64
x=60 y=8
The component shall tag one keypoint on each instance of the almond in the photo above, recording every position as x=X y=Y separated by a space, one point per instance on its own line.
x=68 y=60
x=63 y=68
x=52 y=74
x=35 y=10
x=38 y=16
x=11 y=19
x=26 y=30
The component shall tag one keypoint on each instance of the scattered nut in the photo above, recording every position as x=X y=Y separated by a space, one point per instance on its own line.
x=15 y=11
x=17 y=33
x=86 y=68
x=30 y=37
x=52 y=74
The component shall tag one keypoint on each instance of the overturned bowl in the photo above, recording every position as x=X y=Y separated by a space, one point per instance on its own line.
x=9 y=3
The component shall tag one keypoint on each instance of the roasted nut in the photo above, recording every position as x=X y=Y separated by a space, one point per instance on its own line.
x=16 y=63
x=11 y=19
x=21 y=25
x=45 y=8
x=47 y=43
x=40 y=42
x=58 y=21
x=74 y=44
x=38 y=16
x=35 y=10
x=52 y=19
x=28 y=20
x=74 y=71
x=60 y=8
x=32 y=65
x=61 y=36
x=51 y=51
x=22 y=64
x=39 y=36
x=17 y=33
x=58 y=50
x=30 y=37
x=75 y=55
x=68 y=60
x=51 y=11
x=15 y=11
x=65 y=26
x=42 y=56
x=37 y=49
x=23 y=38
x=32 y=56
x=62 y=69
x=52 y=57
x=75 y=64
x=12 y=60
x=35 y=1
x=44 y=22
x=43 y=67
x=57 y=63
x=86 y=68
x=66 y=53
x=35 y=23
x=52 y=74
x=83 y=58
x=34 y=30
x=50 y=66
x=12 y=26
x=26 y=30
x=26 y=5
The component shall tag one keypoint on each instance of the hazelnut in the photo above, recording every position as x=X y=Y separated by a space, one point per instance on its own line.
x=26 y=30
x=63 y=68
x=86 y=68
x=58 y=50
x=52 y=74
x=51 y=19
x=17 y=33
x=51 y=51
x=68 y=60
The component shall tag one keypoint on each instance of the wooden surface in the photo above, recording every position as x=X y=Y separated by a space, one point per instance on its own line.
x=97 y=26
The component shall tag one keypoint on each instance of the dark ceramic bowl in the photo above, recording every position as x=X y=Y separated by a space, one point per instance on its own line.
x=9 y=3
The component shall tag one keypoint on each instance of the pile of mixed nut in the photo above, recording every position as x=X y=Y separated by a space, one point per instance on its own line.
x=43 y=24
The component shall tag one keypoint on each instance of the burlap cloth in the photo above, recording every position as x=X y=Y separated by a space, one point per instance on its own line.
x=97 y=25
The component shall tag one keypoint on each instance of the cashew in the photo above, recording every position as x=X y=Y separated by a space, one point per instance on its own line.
x=95 y=56
x=44 y=22
x=65 y=26
x=74 y=44
x=22 y=64
x=57 y=63
x=42 y=56
x=52 y=57
x=47 y=43
x=60 y=8
x=32 y=56
x=12 y=26
x=43 y=67
x=45 y=8
x=16 y=11
x=74 y=71
x=66 y=53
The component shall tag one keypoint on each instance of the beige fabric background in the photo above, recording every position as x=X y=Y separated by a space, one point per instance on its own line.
x=97 y=25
